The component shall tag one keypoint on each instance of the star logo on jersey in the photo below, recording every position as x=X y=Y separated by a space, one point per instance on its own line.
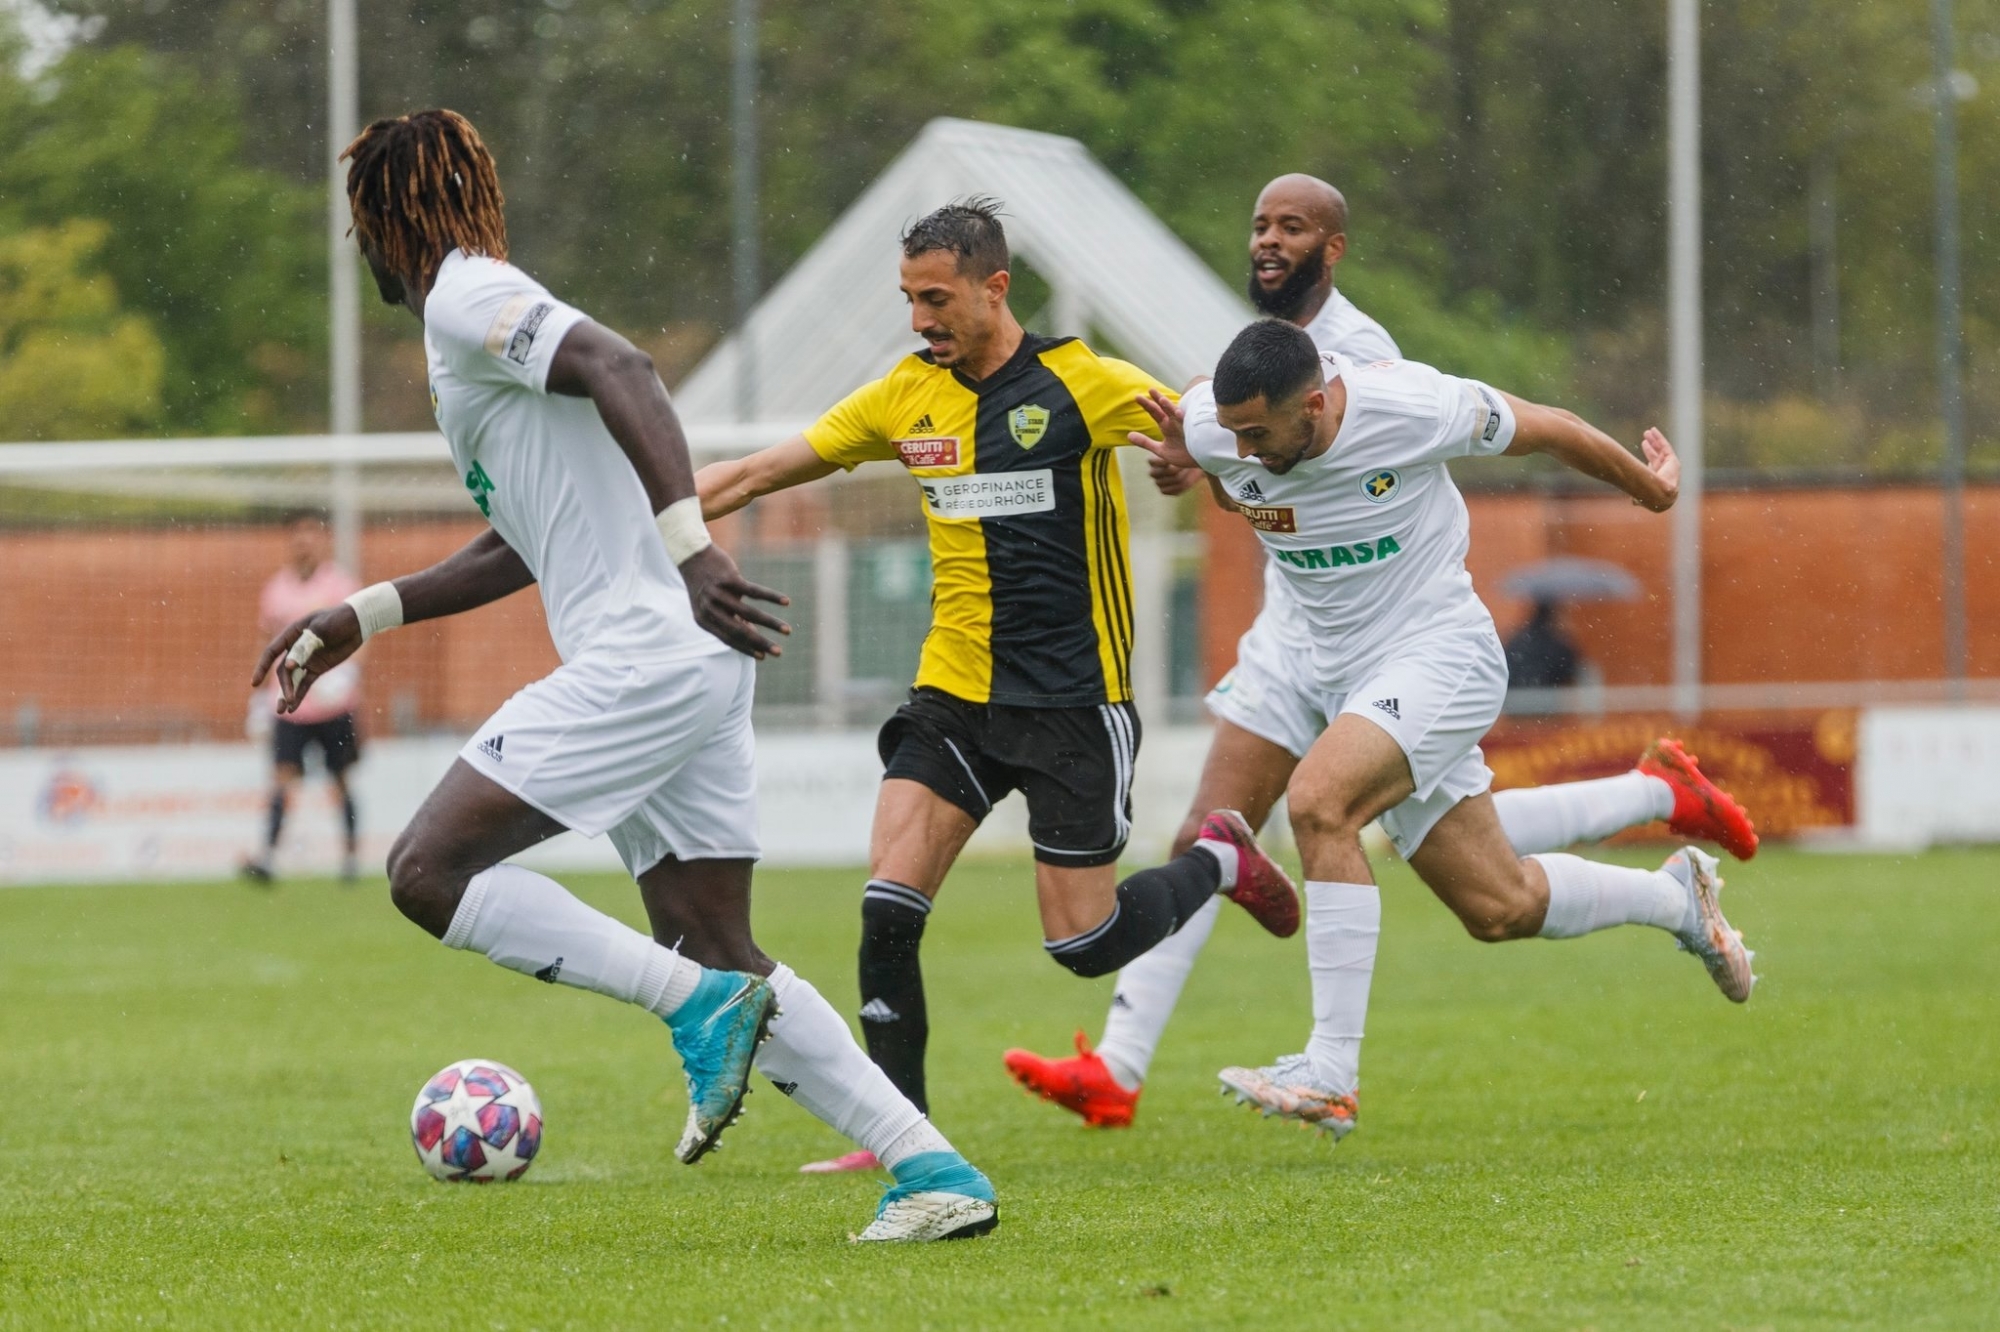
x=1028 y=424
x=1250 y=491
x=1380 y=487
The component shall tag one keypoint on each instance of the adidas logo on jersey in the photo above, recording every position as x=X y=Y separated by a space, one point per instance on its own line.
x=491 y=746
x=922 y=426
x=1250 y=491
x=550 y=972
x=1392 y=706
x=877 y=1011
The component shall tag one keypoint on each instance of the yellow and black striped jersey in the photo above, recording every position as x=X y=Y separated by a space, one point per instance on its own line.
x=1031 y=574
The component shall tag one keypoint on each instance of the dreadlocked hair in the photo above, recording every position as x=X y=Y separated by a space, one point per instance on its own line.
x=422 y=185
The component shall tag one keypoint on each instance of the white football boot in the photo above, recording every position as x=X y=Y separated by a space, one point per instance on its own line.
x=1289 y=1089
x=1707 y=935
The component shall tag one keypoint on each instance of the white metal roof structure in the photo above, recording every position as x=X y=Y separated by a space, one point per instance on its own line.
x=837 y=319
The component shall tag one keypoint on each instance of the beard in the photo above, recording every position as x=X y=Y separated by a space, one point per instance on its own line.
x=1288 y=300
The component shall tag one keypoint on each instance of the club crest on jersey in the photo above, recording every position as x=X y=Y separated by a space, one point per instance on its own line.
x=1380 y=487
x=1028 y=424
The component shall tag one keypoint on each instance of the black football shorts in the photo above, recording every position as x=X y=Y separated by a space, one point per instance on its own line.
x=1072 y=764
x=334 y=736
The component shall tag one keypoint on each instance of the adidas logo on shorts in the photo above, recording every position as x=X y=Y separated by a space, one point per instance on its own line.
x=550 y=972
x=877 y=1011
x=1391 y=706
x=490 y=746
x=923 y=425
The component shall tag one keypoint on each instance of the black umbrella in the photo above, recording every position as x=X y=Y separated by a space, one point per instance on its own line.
x=1569 y=578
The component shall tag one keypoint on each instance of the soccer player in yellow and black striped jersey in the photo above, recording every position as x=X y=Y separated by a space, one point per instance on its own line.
x=1025 y=682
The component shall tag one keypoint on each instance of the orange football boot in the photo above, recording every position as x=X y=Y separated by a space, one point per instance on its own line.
x=1080 y=1084
x=1701 y=808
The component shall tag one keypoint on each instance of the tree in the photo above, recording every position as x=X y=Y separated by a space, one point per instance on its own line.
x=73 y=365
x=224 y=260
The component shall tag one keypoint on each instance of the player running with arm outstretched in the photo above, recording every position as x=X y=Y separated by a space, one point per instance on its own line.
x=570 y=447
x=1358 y=512
x=1025 y=682
x=1267 y=708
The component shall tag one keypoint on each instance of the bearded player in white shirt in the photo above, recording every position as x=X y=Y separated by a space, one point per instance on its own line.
x=570 y=447
x=1268 y=709
x=1341 y=469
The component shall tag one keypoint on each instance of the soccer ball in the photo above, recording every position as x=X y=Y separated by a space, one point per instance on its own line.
x=477 y=1120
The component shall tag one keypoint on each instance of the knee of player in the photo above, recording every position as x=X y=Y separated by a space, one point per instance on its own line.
x=1319 y=813
x=1086 y=963
x=1486 y=926
x=412 y=883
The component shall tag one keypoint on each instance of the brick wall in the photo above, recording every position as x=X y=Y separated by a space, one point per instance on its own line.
x=1800 y=584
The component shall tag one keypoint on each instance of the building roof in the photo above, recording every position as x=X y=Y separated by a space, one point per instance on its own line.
x=838 y=320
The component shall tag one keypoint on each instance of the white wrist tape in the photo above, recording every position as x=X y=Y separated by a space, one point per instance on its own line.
x=378 y=606
x=682 y=529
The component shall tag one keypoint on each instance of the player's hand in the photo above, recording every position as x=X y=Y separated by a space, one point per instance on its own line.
x=335 y=635
x=1665 y=465
x=1170 y=480
x=717 y=591
x=1171 y=447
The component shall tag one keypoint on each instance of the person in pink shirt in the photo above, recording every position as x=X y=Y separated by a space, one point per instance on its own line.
x=310 y=582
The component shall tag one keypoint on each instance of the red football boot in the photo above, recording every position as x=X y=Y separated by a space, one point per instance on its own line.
x=1262 y=887
x=1080 y=1084
x=1701 y=808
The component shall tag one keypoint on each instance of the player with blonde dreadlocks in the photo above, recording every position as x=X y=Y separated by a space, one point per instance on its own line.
x=421 y=186
x=570 y=447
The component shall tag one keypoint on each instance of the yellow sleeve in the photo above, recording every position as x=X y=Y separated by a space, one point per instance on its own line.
x=1109 y=401
x=855 y=430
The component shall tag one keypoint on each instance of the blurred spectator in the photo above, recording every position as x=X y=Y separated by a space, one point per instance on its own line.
x=309 y=582
x=1540 y=655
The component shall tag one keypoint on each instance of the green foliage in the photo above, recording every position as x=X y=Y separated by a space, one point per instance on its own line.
x=73 y=365
x=1504 y=160
x=224 y=260
x=208 y=1094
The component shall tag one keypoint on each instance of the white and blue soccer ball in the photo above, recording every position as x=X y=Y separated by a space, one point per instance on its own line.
x=476 y=1120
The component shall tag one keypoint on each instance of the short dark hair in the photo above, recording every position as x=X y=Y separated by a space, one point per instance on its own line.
x=1271 y=359
x=969 y=228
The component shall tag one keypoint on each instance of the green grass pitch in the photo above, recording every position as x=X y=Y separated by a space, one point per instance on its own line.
x=206 y=1091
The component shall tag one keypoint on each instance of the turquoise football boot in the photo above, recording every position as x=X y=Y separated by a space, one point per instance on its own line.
x=936 y=1196
x=717 y=1032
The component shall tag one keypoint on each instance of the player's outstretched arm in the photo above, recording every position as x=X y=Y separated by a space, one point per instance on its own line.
x=727 y=486
x=1654 y=482
x=484 y=569
x=594 y=362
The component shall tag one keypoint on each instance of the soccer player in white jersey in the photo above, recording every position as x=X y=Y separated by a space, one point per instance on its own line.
x=570 y=447
x=1267 y=709
x=1341 y=469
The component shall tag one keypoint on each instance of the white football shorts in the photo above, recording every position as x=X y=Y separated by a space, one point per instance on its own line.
x=657 y=754
x=1269 y=691
x=1438 y=695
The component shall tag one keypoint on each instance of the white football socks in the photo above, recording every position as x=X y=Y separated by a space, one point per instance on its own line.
x=1343 y=922
x=813 y=1058
x=1226 y=857
x=527 y=922
x=1549 y=818
x=1585 y=897
x=1148 y=989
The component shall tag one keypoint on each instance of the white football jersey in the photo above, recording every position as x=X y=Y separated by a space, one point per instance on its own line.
x=1342 y=328
x=545 y=471
x=1370 y=537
